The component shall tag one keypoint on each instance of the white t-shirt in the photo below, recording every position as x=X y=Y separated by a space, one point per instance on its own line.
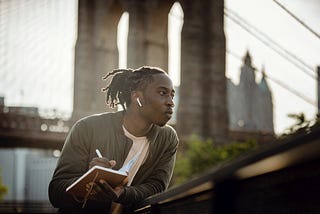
x=139 y=145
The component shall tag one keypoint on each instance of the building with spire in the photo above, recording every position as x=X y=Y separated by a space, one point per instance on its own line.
x=250 y=102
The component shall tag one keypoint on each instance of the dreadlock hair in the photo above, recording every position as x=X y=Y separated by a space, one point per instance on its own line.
x=125 y=81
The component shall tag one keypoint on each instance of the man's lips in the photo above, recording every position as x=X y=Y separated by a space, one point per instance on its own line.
x=169 y=111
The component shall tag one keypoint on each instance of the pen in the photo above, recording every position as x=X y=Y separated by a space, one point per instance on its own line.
x=98 y=153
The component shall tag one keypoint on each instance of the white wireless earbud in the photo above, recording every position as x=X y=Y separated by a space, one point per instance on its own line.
x=139 y=102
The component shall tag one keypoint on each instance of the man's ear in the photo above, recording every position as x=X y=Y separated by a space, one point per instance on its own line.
x=136 y=97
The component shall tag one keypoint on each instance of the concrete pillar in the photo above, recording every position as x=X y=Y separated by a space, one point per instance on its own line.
x=157 y=34
x=148 y=33
x=203 y=103
x=96 y=54
x=137 y=33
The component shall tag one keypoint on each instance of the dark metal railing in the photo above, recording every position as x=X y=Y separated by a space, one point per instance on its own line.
x=280 y=178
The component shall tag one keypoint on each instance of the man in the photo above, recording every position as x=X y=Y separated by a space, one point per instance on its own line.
x=146 y=95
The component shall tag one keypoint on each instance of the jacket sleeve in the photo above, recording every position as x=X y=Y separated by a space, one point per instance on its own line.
x=72 y=163
x=159 y=178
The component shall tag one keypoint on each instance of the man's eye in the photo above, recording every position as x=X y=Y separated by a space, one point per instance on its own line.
x=162 y=93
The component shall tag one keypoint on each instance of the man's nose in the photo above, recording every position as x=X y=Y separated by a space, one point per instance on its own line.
x=170 y=101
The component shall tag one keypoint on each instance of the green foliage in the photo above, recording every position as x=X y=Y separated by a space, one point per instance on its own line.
x=301 y=125
x=202 y=155
x=3 y=189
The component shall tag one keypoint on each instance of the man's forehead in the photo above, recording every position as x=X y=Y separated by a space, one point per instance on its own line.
x=166 y=88
x=162 y=81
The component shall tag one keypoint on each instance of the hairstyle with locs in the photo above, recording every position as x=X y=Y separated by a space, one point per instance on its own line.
x=125 y=81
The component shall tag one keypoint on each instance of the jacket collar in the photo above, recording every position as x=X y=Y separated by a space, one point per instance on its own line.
x=118 y=118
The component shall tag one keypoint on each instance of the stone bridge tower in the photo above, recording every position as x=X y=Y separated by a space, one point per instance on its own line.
x=203 y=105
x=202 y=100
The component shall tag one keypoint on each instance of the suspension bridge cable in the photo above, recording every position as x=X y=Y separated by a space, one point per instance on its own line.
x=227 y=13
x=267 y=40
x=281 y=84
x=297 y=19
x=270 y=40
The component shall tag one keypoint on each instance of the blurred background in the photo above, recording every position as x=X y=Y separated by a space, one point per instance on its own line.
x=242 y=69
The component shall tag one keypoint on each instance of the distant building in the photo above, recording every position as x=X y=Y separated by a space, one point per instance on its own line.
x=26 y=173
x=250 y=103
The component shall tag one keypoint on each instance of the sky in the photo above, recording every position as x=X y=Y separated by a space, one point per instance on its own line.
x=37 y=39
x=282 y=29
x=278 y=45
x=37 y=69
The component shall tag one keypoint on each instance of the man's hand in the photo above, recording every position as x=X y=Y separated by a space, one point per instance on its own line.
x=104 y=192
x=101 y=190
x=104 y=162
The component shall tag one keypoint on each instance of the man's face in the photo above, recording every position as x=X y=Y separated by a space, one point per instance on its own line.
x=158 y=100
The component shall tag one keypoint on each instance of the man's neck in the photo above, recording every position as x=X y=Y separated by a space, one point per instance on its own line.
x=135 y=125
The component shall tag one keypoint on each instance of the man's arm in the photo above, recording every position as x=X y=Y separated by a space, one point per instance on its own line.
x=72 y=163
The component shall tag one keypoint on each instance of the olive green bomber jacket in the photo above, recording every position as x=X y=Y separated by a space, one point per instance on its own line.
x=104 y=132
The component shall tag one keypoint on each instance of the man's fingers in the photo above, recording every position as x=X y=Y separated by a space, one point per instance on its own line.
x=107 y=189
x=102 y=194
x=104 y=162
x=125 y=181
x=116 y=191
x=112 y=163
x=105 y=185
